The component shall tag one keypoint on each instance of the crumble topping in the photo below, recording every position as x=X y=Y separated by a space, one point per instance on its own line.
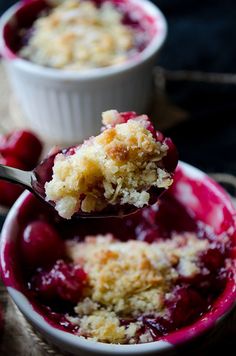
x=117 y=167
x=78 y=35
x=104 y=326
x=129 y=279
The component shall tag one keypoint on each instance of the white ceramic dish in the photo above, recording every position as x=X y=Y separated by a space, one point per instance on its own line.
x=193 y=189
x=65 y=106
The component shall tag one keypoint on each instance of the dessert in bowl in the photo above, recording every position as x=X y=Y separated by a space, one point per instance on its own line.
x=143 y=284
x=57 y=77
x=79 y=35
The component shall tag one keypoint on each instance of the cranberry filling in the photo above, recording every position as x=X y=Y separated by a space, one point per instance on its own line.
x=185 y=305
x=19 y=149
x=63 y=282
x=55 y=286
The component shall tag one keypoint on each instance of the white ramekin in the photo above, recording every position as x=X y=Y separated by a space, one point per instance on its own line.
x=193 y=189
x=65 y=106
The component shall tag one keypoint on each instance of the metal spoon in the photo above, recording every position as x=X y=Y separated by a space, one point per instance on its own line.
x=33 y=180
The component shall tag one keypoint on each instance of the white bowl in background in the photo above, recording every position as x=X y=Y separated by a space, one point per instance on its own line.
x=65 y=106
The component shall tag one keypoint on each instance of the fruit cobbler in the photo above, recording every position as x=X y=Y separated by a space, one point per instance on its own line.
x=128 y=279
x=127 y=165
x=79 y=34
x=122 y=281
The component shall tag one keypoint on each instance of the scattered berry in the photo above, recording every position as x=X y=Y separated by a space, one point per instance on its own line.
x=23 y=145
x=158 y=325
x=127 y=115
x=160 y=137
x=213 y=259
x=64 y=281
x=171 y=159
x=19 y=149
x=9 y=192
x=185 y=305
x=41 y=245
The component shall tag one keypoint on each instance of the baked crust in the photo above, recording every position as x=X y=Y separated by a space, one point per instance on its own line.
x=129 y=279
x=117 y=167
x=77 y=35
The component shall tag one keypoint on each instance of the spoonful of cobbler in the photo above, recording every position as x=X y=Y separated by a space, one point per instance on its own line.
x=126 y=167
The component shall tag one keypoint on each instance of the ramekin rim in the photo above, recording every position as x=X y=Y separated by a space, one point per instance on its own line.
x=95 y=73
x=89 y=345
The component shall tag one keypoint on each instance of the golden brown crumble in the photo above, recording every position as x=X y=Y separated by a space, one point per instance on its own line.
x=126 y=279
x=77 y=35
x=117 y=167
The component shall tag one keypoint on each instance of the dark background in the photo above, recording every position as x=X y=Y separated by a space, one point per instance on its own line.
x=202 y=37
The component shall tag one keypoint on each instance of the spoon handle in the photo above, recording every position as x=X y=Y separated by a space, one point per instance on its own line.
x=17 y=176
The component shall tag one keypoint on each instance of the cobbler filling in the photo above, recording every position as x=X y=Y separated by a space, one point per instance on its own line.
x=123 y=166
x=125 y=281
x=78 y=34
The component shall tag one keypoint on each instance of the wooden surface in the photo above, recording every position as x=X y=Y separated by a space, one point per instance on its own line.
x=17 y=336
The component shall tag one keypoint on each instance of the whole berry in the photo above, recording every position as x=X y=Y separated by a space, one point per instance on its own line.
x=41 y=245
x=23 y=145
x=9 y=192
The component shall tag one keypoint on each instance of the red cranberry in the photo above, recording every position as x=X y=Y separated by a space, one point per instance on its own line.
x=22 y=144
x=148 y=235
x=71 y=151
x=151 y=128
x=185 y=305
x=159 y=136
x=63 y=282
x=59 y=317
x=165 y=217
x=12 y=161
x=171 y=160
x=127 y=115
x=209 y=283
x=41 y=245
x=212 y=259
x=159 y=325
x=9 y=192
x=149 y=214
